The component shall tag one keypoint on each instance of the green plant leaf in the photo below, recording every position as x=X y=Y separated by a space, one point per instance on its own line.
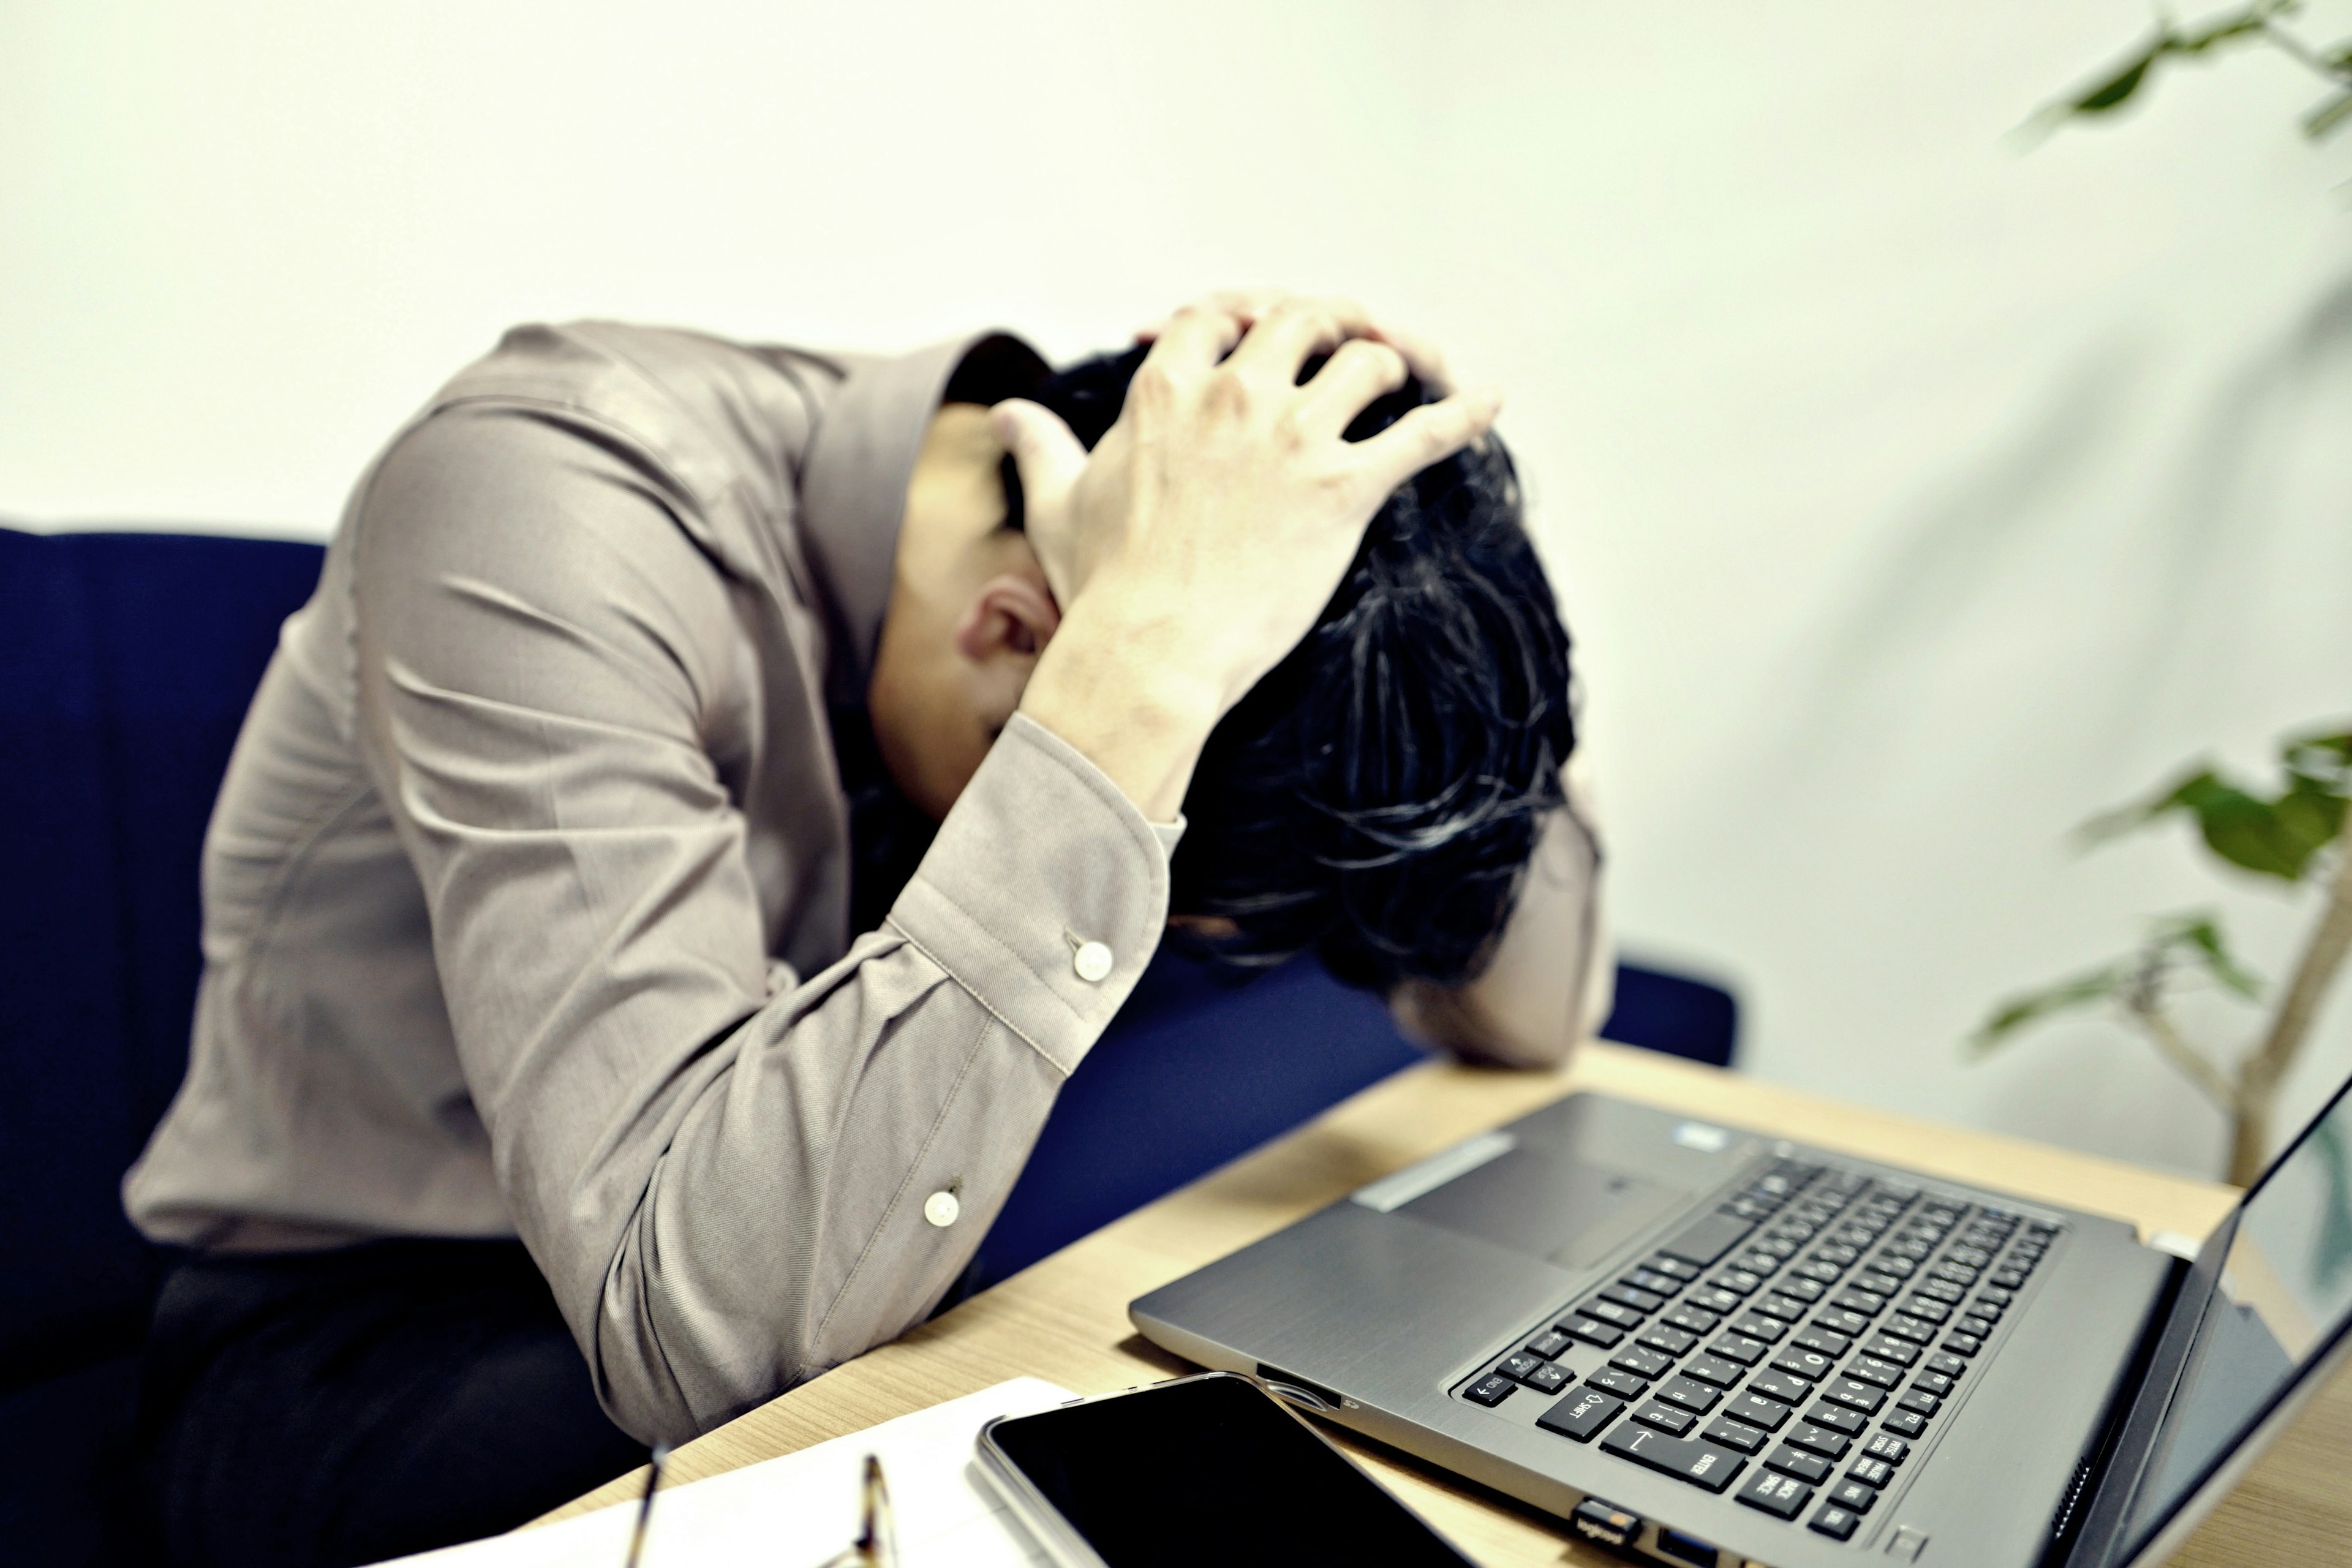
x=2117 y=89
x=2199 y=932
x=2275 y=837
x=2028 y=1007
x=2325 y=119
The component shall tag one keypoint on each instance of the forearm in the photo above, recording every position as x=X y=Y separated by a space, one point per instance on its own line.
x=764 y=1220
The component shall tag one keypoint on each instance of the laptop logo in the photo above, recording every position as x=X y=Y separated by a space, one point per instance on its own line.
x=1698 y=1135
x=1401 y=1187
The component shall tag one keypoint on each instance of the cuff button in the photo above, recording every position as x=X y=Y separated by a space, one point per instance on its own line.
x=941 y=1209
x=1092 y=959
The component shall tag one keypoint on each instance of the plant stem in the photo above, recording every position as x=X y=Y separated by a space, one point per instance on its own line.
x=2259 y=1073
x=2181 y=1054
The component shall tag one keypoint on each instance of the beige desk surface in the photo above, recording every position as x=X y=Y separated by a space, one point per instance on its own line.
x=1065 y=1319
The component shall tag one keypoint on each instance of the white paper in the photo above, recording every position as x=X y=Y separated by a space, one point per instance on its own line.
x=800 y=1511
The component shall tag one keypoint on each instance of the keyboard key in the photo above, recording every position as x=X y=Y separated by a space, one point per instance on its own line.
x=1757 y=1326
x=1869 y=1303
x=1853 y=1495
x=1919 y=1401
x=1877 y=1374
x=1802 y=1290
x=1713 y=1299
x=1691 y=1395
x=1786 y=1387
x=1993 y=1295
x=1641 y=1301
x=1950 y=1365
x=1787 y=1309
x=1624 y=1385
x=1837 y=1523
x=1783 y=1497
x=1738 y=1281
x=1894 y=1450
x=1896 y=1264
x=1855 y=1396
x=1798 y=1463
x=1490 y=1389
x=1733 y=1434
x=1518 y=1365
x=1612 y=1313
x=1673 y=1267
x=1981 y=1327
x=1905 y=1423
x=1548 y=1378
x=1903 y=1326
x=1876 y=1283
x=1650 y=1279
x=1757 y=1411
x=1936 y=1382
x=1817 y=1270
x=1709 y=1239
x=1758 y=1262
x=1956 y=1273
x=1592 y=1334
x=1871 y=1472
x=1667 y=1340
x=1666 y=1418
x=1838 y=1418
x=1692 y=1319
x=1820 y=1440
x=1989 y=1311
x=1838 y=1321
x=1971 y=1256
x=1941 y=1289
x=1547 y=1344
x=1838 y=1255
x=1963 y=1344
x=1809 y=1364
x=1746 y=1208
x=1581 y=1414
x=1640 y=1362
x=1902 y=1352
x=1825 y=1342
x=1692 y=1460
x=1714 y=1368
x=1927 y=1307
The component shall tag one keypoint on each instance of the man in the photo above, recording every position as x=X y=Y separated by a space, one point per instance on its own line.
x=528 y=896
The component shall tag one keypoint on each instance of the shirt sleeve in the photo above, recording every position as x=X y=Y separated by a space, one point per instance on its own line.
x=720 y=1166
x=1553 y=976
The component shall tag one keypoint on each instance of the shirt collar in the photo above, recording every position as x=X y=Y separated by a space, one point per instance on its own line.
x=861 y=457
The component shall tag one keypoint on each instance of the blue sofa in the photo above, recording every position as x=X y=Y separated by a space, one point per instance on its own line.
x=126 y=662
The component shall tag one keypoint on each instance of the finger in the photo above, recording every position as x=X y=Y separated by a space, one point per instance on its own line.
x=1245 y=305
x=1048 y=457
x=1433 y=431
x=1195 y=338
x=1427 y=363
x=1285 y=336
x=1358 y=371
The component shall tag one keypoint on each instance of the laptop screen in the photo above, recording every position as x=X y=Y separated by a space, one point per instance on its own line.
x=2283 y=1296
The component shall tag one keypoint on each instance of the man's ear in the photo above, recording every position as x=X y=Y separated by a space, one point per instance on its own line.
x=1010 y=614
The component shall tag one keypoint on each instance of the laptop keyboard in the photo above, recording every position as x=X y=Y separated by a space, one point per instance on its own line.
x=1801 y=1341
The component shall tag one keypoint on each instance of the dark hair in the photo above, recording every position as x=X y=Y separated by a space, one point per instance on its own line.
x=1377 y=796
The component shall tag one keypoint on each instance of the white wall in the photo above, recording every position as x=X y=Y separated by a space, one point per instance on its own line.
x=1915 y=497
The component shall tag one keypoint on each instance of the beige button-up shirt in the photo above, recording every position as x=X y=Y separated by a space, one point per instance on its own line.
x=526 y=897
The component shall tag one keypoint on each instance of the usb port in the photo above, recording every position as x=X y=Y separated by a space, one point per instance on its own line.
x=1688 y=1548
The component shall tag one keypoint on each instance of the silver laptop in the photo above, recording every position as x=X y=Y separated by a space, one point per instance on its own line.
x=1721 y=1349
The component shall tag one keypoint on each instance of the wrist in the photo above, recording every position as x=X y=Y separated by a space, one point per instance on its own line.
x=1112 y=690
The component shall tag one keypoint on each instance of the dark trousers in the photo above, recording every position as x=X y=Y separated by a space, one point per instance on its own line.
x=333 y=1409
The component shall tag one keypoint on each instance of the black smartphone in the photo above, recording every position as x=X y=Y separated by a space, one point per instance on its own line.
x=1201 y=1470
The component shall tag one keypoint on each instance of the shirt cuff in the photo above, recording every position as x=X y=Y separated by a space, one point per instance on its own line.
x=1045 y=894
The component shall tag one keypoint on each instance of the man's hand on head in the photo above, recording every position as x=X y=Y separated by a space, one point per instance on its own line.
x=1195 y=546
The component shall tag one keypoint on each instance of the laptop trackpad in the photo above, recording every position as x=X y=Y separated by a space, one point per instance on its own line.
x=1565 y=1210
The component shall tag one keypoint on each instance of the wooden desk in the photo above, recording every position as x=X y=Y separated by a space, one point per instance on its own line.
x=1065 y=1319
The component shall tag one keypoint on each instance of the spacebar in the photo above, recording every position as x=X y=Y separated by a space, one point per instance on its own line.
x=1685 y=1458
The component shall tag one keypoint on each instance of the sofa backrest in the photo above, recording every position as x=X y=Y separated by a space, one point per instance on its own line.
x=126 y=663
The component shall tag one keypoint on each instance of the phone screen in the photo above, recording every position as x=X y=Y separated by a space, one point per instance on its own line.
x=1212 y=1470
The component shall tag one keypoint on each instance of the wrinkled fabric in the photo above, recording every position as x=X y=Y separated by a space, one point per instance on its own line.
x=526 y=896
